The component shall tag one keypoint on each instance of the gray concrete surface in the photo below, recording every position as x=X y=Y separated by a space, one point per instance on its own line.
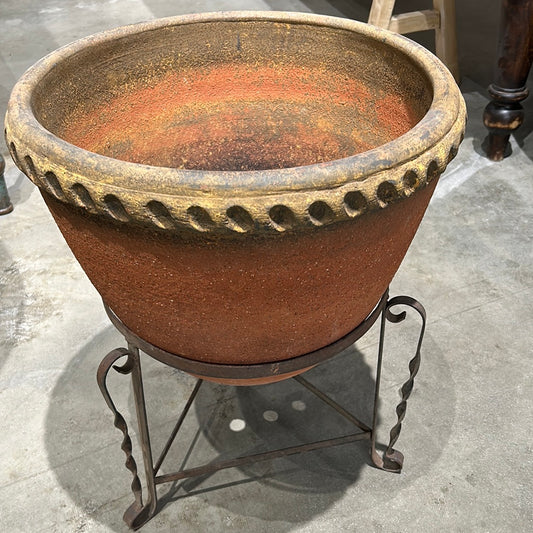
x=468 y=432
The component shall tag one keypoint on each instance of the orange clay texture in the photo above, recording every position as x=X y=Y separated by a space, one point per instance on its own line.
x=240 y=117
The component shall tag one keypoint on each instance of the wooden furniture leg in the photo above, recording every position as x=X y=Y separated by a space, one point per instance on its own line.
x=381 y=13
x=504 y=114
x=446 y=36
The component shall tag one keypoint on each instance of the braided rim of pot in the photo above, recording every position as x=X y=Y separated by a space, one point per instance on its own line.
x=304 y=197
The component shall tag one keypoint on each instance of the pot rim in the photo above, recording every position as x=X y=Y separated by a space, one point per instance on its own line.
x=444 y=119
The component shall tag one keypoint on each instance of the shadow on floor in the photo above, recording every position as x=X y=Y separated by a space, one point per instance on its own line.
x=84 y=448
x=239 y=421
x=15 y=316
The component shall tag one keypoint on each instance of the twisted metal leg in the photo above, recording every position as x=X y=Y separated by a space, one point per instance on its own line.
x=392 y=460
x=137 y=513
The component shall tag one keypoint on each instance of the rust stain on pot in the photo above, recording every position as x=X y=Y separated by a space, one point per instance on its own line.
x=240 y=117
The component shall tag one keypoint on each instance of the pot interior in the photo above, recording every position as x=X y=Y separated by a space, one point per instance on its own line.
x=233 y=95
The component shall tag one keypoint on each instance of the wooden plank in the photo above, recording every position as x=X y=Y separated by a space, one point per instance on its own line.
x=415 y=21
x=381 y=13
x=446 y=36
x=441 y=19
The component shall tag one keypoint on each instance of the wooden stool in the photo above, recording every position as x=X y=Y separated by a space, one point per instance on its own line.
x=441 y=19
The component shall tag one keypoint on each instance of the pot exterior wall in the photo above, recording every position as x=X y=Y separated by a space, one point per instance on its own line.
x=249 y=298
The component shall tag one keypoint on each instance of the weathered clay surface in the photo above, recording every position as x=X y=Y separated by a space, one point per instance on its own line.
x=240 y=188
x=241 y=117
x=248 y=299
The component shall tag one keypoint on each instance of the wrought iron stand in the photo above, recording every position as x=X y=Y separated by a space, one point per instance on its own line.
x=141 y=511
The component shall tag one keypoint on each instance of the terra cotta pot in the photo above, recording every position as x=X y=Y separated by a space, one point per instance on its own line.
x=239 y=187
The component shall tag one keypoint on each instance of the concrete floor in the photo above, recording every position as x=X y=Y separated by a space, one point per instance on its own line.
x=467 y=436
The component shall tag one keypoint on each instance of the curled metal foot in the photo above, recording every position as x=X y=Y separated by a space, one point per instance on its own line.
x=392 y=460
x=137 y=513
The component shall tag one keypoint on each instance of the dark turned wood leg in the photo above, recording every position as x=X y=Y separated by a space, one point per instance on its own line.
x=5 y=203
x=504 y=114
